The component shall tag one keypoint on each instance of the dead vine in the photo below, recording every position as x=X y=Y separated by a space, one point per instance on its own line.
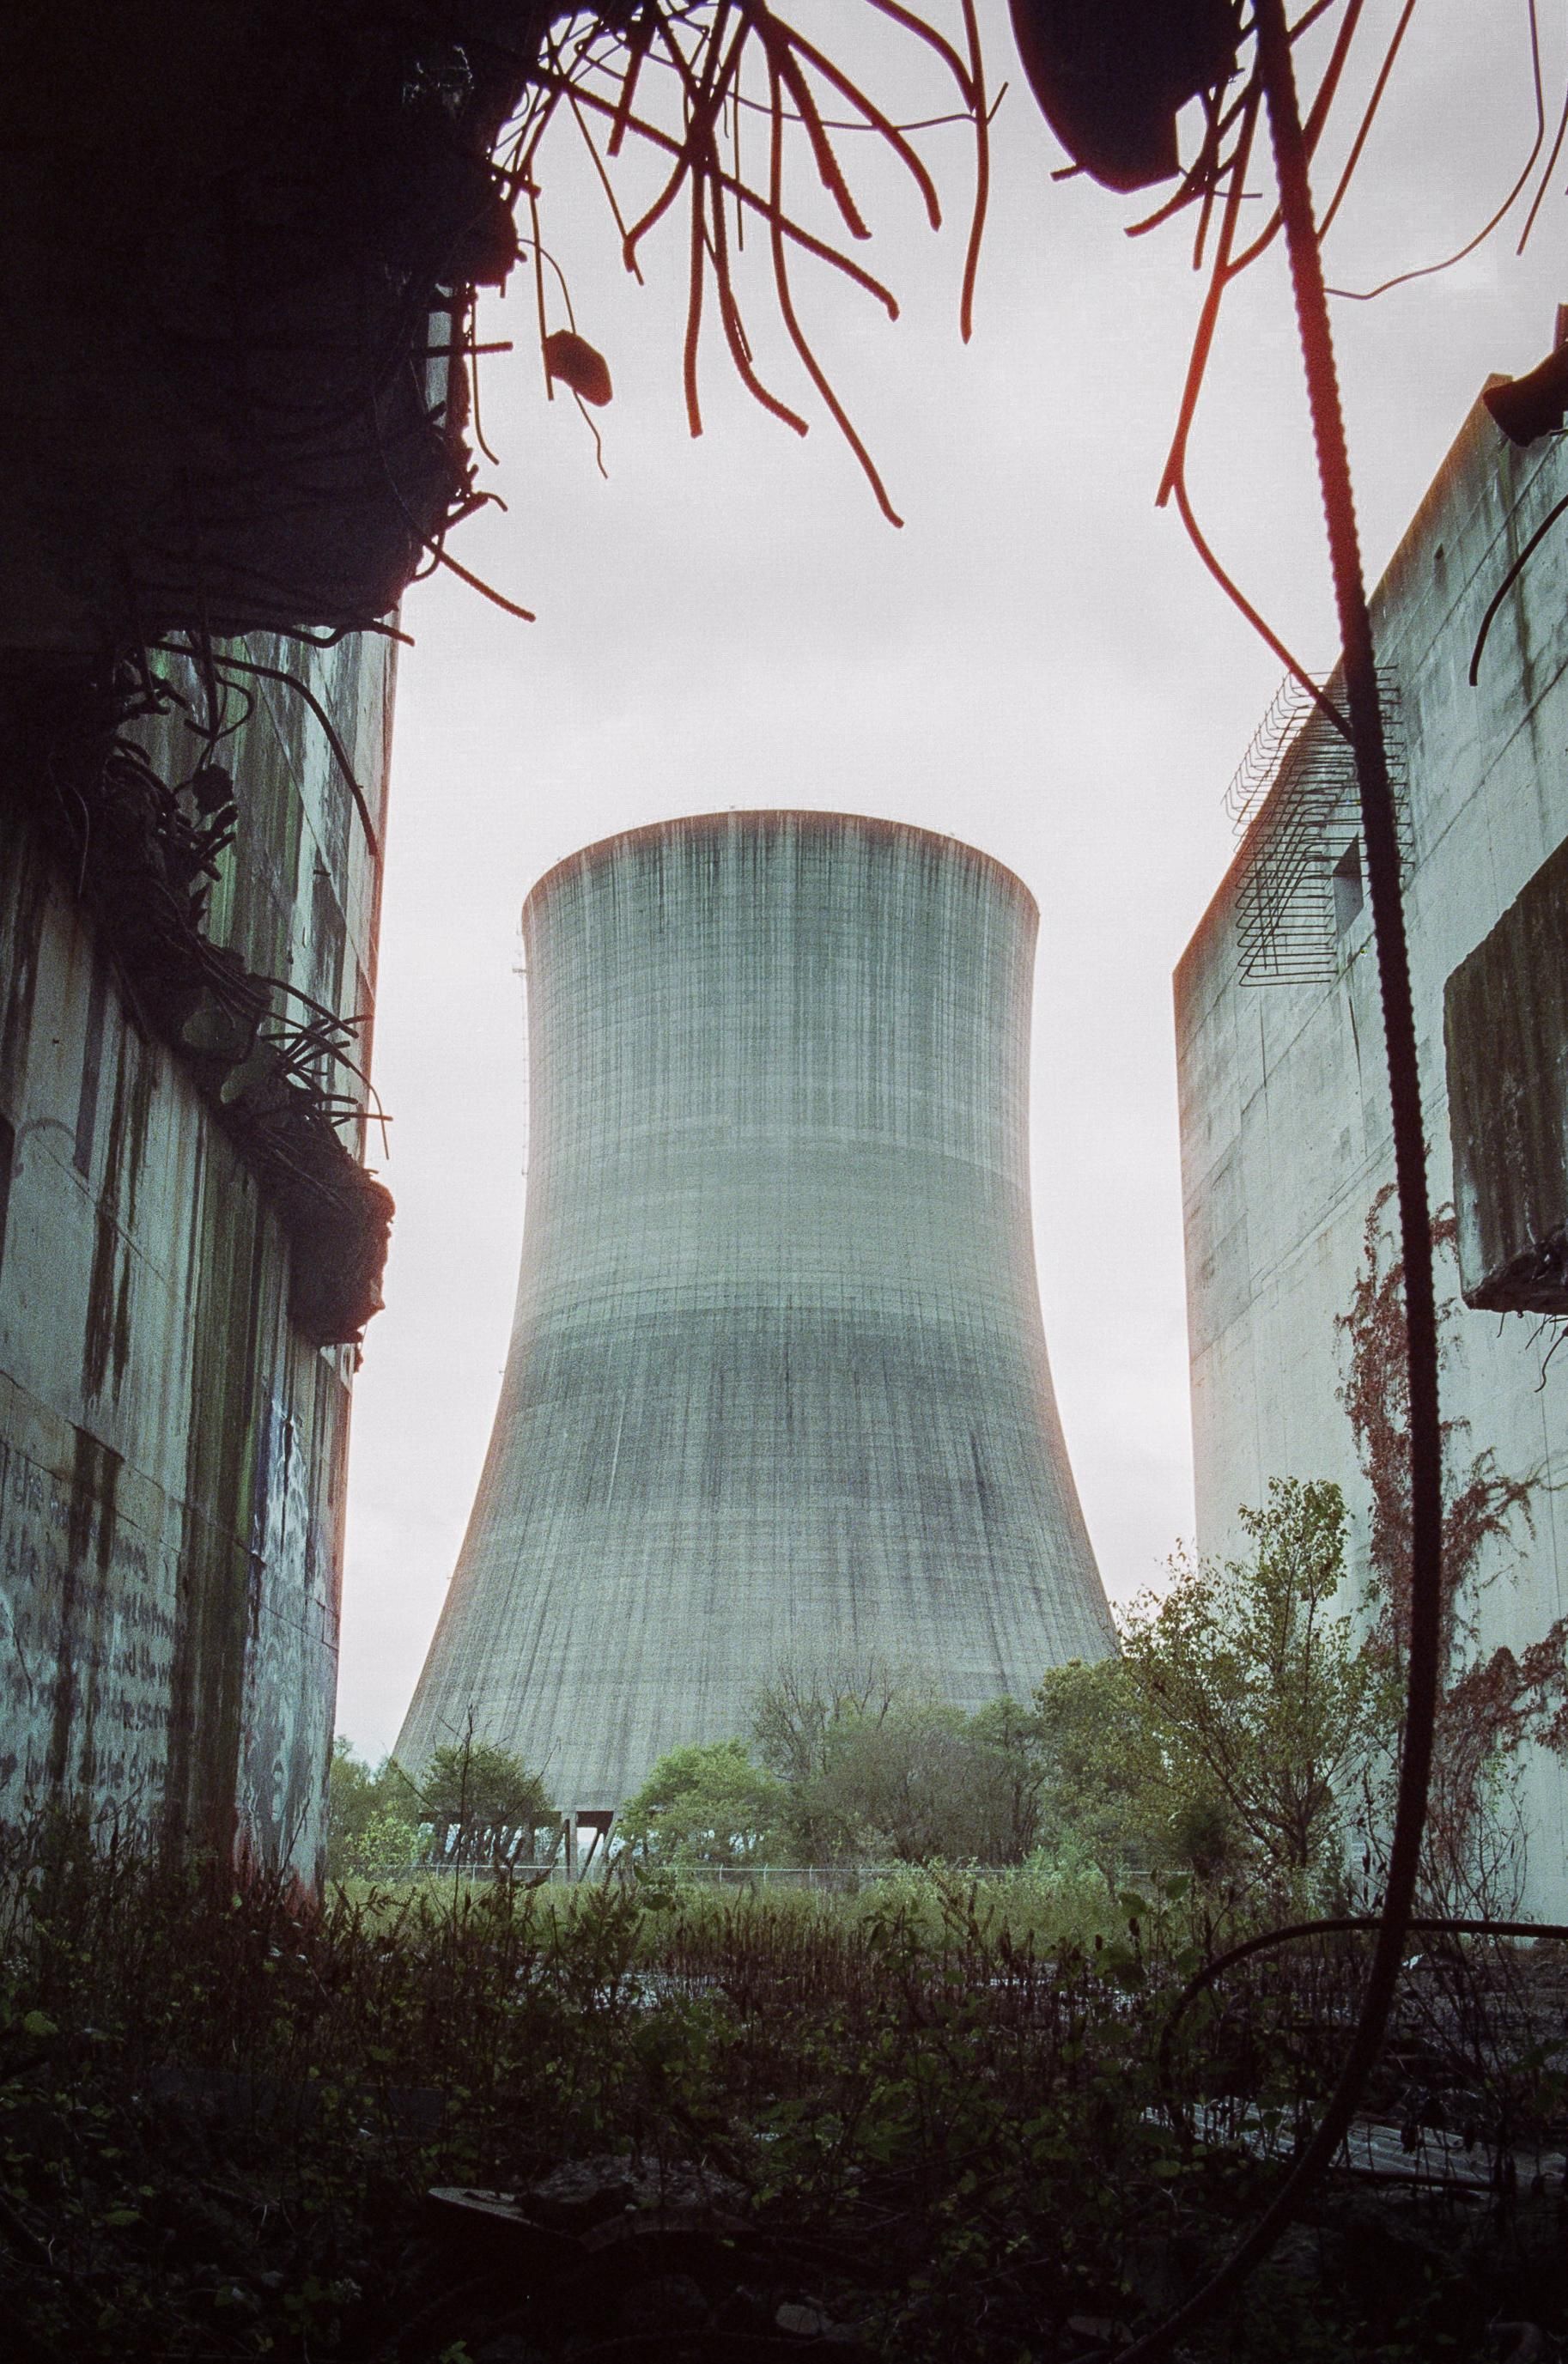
x=680 y=80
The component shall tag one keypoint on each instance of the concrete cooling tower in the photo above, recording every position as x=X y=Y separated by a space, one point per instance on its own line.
x=777 y=1393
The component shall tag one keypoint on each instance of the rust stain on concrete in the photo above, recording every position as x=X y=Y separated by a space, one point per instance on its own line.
x=94 y=1487
x=107 y=1337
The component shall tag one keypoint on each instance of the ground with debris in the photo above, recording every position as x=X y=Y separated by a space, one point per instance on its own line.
x=508 y=2128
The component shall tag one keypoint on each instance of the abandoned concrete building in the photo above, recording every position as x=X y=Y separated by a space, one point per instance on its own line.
x=1284 y=1119
x=177 y=1303
x=778 y=1396
x=241 y=249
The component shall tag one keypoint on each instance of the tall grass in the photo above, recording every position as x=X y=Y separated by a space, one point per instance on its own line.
x=221 y=2104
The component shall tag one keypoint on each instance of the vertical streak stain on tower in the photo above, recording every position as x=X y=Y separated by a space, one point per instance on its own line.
x=777 y=1390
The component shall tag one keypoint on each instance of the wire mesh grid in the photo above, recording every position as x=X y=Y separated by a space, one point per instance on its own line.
x=1295 y=808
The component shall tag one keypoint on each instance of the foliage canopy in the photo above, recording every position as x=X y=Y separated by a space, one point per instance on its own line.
x=1256 y=1691
x=705 y=1803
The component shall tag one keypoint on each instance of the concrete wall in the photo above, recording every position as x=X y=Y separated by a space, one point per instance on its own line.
x=171 y=1451
x=778 y=1391
x=1283 y=1092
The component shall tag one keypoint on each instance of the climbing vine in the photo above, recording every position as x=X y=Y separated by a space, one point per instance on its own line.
x=1491 y=1703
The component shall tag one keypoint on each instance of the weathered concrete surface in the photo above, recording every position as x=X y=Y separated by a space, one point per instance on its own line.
x=1283 y=1091
x=778 y=1391
x=171 y=1451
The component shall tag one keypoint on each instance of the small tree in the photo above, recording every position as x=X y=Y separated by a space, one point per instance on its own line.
x=707 y=1803
x=901 y=1785
x=351 y=1800
x=1491 y=1704
x=1257 y=1692
x=484 y=1802
x=1012 y=1763
x=795 y=1716
x=815 y=1727
x=874 y=1766
x=1105 y=1786
x=373 y=1815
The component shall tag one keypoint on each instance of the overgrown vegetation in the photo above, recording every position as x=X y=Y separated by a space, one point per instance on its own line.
x=1000 y=2114
x=476 y=1804
x=1223 y=1743
x=1494 y=1704
x=1265 y=1709
x=931 y=2115
x=1245 y=1736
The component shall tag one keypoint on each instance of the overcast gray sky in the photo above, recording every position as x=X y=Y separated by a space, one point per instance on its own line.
x=1036 y=662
